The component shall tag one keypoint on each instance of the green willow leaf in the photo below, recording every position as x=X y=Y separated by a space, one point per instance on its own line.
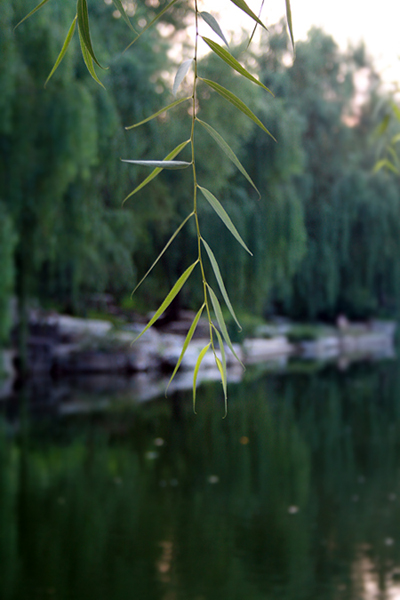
x=181 y=74
x=158 y=170
x=289 y=20
x=38 y=7
x=233 y=63
x=160 y=14
x=119 y=6
x=243 y=6
x=186 y=344
x=171 y=239
x=171 y=295
x=161 y=164
x=220 y=281
x=396 y=110
x=222 y=368
x=213 y=23
x=385 y=163
x=228 y=151
x=255 y=26
x=239 y=104
x=88 y=60
x=196 y=370
x=221 y=322
x=159 y=112
x=83 y=25
x=382 y=127
x=223 y=215
x=223 y=378
x=395 y=157
x=63 y=49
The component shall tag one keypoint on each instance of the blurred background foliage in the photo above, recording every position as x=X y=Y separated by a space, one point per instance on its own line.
x=325 y=234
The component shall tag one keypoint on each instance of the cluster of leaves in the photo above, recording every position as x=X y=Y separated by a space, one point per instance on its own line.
x=390 y=161
x=217 y=330
x=217 y=327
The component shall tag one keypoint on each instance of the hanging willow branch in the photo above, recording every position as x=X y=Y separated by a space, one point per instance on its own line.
x=218 y=333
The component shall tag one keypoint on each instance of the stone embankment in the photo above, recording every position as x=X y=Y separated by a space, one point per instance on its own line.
x=61 y=345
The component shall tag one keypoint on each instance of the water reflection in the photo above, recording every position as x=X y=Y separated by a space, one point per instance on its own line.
x=295 y=495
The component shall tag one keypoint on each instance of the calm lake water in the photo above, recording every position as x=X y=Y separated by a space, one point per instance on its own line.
x=295 y=495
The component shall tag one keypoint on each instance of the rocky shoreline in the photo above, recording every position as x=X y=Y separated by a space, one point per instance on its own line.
x=61 y=346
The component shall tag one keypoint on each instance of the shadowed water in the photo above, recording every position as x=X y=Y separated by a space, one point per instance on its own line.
x=294 y=496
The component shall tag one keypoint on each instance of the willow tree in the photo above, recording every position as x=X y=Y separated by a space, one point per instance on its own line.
x=350 y=265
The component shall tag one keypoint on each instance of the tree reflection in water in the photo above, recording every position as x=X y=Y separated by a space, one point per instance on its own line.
x=295 y=495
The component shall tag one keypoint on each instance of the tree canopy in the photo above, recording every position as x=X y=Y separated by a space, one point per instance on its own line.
x=324 y=235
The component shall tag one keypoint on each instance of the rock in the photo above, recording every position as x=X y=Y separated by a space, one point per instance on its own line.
x=258 y=350
x=6 y=388
x=74 y=327
x=172 y=352
x=143 y=358
x=7 y=373
x=325 y=347
x=378 y=344
x=7 y=369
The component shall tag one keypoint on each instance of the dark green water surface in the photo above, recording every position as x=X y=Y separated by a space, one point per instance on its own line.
x=295 y=495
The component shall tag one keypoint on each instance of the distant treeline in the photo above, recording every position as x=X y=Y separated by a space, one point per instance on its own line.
x=325 y=234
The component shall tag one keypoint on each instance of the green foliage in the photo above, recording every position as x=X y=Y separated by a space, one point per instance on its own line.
x=7 y=244
x=324 y=234
x=168 y=162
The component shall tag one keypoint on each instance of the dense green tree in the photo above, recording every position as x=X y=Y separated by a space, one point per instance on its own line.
x=64 y=230
x=47 y=141
x=349 y=214
x=62 y=192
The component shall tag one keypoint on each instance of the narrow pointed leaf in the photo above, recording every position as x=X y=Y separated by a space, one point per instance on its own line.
x=171 y=239
x=83 y=25
x=120 y=7
x=239 y=104
x=243 y=6
x=233 y=63
x=181 y=74
x=396 y=110
x=221 y=322
x=161 y=164
x=383 y=125
x=195 y=373
x=221 y=347
x=213 y=23
x=223 y=377
x=88 y=60
x=159 y=112
x=395 y=138
x=220 y=281
x=38 y=7
x=385 y=163
x=252 y=35
x=394 y=155
x=223 y=215
x=160 y=14
x=255 y=26
x=63 y=50
x=222 y=367
x=173 y=292
x=158 y=170
x=186 y=344
x=289 y=20
x=228 y=151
